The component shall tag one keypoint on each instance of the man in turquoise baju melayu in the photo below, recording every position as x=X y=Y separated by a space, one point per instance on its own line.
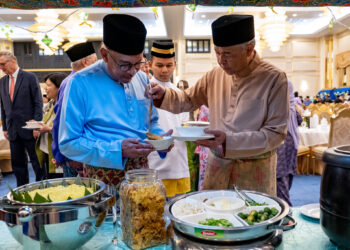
x=104 y=112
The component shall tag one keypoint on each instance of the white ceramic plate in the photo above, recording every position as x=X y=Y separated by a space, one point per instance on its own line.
x=311 y=210
x=193 y=138
x=32 y=126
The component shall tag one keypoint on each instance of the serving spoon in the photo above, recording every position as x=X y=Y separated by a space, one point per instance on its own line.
x=150 y=135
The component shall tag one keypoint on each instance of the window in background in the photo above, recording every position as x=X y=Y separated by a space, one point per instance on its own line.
x=197 y=46
x=27 y=49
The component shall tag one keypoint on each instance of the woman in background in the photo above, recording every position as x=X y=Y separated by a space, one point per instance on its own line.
x=203 y=152
x=43 y=144
x=287 y=153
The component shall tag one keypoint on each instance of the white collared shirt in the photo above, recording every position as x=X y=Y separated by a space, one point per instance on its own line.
x=15 y=77
x=175 y=165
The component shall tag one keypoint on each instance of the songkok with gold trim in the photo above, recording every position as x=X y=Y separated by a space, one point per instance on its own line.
x=231 y=30
x=124 y=34
x=80 y=50
x=163 y=49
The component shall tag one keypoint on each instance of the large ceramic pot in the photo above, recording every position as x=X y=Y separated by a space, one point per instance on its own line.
x=335 y=190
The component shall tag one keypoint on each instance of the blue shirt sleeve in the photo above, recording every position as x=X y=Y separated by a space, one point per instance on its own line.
x=73 y=144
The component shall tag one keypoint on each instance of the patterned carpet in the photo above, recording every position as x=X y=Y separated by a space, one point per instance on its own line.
x=305 y=189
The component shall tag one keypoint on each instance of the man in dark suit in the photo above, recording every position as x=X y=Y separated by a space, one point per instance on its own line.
x=21 y=101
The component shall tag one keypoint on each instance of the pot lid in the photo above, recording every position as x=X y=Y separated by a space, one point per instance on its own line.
x=339 y=156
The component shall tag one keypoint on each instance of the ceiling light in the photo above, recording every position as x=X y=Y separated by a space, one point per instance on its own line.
x=48 y=41
x=203 y=16
x=295 y=14
x=19 y=17
x=275 y=29
x=201 y=21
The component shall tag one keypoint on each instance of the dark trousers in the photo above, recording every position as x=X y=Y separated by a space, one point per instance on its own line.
x=284 y=184
x=19 y=160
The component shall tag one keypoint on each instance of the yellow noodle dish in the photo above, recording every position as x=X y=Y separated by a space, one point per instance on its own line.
x=61 y=193
x=58 y=192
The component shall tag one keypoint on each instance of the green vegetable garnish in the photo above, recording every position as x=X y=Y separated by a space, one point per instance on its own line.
x=248 y=203
x=27 y=198
x=39 y=199
x=87 y=192
x=216 y=223
x=256 y=217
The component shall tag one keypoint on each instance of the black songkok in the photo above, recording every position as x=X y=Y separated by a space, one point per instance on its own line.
x=163 y=49
x=124 y=34
x=80 y=51
x=231 y=30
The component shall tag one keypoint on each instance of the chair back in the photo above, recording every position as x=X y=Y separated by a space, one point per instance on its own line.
x=338 y=107
x=322 y=115
x=339 y=130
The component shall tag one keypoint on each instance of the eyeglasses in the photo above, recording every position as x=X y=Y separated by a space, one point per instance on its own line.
x=128 y=66
x=3 y=64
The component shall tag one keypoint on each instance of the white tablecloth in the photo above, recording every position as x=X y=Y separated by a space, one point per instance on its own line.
x=313 y=136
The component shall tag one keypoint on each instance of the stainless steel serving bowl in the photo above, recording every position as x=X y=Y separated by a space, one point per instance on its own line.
x=57 y=225
x=232 y=234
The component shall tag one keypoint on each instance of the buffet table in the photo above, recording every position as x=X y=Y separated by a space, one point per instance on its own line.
x=313 y=136
x=307 y=235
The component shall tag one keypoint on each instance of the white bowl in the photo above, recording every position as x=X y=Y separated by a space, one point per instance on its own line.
x=196 y=124
x=191 y=131
x=224 y=204
x=161 y=144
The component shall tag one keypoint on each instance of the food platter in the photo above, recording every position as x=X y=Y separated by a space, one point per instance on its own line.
x=189 y=215
x=66 y=224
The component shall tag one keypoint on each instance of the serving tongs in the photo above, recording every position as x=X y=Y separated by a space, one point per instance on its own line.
x=243 y=196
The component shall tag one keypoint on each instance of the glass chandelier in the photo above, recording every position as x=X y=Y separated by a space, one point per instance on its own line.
x=48 y=40
x=275 y=30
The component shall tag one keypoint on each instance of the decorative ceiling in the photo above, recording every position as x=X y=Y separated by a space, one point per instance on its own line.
x=44 y=4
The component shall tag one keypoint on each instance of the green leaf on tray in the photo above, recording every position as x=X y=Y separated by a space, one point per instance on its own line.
x=39 y=199
x=78 y=180
x=17 y=196
x=69 y=198
x=87 y=192
x=64 y=183
x=48 y=198
x=27 y=197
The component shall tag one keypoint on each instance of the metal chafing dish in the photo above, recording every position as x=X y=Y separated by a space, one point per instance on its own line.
x=57 y=225
x=236 y=233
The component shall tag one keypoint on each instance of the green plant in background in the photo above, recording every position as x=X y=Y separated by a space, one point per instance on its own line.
x=193 y=165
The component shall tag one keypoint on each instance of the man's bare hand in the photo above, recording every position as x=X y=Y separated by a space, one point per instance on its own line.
x=219 y=140
x=154 y=91
x=170 y=132
x=36 y=134
x=133 y=148
x=6 y=135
